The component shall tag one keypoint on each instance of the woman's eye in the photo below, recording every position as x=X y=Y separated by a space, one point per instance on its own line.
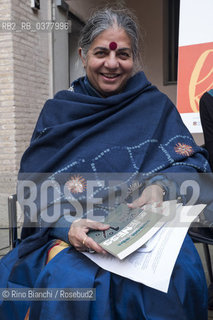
x=100 y=54
x=124 y=55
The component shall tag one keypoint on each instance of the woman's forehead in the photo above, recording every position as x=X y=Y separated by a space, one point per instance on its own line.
x=112 y=35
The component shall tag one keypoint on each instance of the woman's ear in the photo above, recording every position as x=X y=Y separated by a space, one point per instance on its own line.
x=81 y=56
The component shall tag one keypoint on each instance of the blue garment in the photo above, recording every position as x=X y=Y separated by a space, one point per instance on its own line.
x=77 y=132
x=116 y=297
x=210 y=92
x=80 y=133
x=138 y=131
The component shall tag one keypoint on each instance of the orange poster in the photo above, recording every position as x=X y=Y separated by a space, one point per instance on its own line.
x=195 y=60
x=195 y=75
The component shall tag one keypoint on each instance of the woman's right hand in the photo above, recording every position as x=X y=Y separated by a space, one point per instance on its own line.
x=78 y=235
x=150 y=195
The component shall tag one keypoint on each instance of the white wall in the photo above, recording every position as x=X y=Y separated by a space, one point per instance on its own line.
x=150 y=15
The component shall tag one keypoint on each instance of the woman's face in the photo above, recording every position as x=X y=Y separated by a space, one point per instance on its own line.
x=108 y=70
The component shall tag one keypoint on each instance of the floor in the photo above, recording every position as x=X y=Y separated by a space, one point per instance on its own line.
x=4 y=243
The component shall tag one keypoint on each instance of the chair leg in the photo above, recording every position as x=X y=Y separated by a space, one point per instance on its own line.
x=208 y=261
x=12 y=215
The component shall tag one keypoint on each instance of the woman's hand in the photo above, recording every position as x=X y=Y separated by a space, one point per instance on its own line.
x=151 y=194
x=78 y=235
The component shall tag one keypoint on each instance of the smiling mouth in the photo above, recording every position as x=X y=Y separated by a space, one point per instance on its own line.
x=110 y=76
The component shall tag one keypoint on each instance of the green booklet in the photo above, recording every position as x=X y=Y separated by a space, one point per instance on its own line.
x=129 y=230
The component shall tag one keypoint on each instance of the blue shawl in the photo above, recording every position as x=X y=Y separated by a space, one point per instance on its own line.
x=138 y=130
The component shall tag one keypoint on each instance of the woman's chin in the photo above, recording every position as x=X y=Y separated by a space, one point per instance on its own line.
x=110 y=90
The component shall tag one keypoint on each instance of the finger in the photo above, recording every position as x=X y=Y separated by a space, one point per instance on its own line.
x=86 y=224
x=96 y=225
x=91 y=244
x=155 y=207
x=85 y=243
x=84 y=240
x=159 y=203
x=80 y=243
x=136 y=204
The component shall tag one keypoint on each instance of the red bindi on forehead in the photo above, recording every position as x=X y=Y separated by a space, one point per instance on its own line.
x=113 y=45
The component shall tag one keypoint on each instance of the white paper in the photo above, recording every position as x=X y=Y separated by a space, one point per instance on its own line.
x=151 y=244
x=154 y=268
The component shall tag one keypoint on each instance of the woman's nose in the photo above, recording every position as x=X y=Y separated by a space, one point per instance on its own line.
x=111 y=61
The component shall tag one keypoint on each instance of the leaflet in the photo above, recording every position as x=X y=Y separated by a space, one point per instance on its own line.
x=129 y=229
x=154 y=266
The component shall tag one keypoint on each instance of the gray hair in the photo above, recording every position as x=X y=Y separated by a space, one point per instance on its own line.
x=106 y=18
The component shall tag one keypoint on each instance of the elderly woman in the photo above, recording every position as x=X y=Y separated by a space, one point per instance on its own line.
x=112 y=120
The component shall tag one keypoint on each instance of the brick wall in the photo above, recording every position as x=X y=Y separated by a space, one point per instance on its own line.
x=25 y=74
x=7 y=112
x=31 y=72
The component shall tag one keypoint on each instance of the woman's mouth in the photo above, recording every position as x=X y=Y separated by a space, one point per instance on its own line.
x=110 y=76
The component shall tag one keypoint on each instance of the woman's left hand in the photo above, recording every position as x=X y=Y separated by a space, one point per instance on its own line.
x=78 y=235
x=151 y=194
